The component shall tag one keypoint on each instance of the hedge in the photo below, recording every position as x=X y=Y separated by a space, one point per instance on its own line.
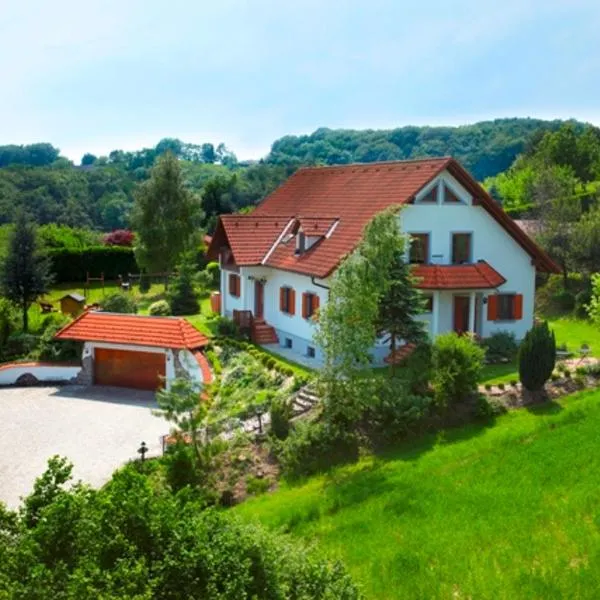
x=73 y=264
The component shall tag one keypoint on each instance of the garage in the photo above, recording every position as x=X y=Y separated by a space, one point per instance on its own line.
x=125 y=368
x=137 y=351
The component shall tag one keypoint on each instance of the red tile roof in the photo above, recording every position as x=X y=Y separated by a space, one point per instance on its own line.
x=204 y=365
x=457 y=277
x=355 y=194
x=137 y=330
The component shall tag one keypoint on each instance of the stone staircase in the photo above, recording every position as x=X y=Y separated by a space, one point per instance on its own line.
x=305 y=399
x=263 y=333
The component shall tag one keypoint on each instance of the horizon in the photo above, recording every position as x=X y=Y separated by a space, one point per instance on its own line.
x=100 y=78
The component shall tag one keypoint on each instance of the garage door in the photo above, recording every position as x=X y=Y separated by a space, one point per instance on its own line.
x=124 y=368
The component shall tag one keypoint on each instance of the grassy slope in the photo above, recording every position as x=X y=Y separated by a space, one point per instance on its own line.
x=510 y=511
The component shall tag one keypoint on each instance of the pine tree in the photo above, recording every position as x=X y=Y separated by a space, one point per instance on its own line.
x=537 y=357
x=25 y=273
x=400 y=305
x=183 y=297
x=164 y=217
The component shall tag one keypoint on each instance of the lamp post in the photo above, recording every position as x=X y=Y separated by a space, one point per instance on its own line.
x=142 y=450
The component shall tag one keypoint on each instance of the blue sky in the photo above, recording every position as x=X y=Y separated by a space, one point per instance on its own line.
x=123 y=74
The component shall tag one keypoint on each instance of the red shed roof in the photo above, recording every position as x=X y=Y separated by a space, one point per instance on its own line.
x=354 y=194
x=457 y=277
x=137 y=330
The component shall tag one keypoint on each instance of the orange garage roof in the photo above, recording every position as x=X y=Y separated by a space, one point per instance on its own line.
x=137 y=330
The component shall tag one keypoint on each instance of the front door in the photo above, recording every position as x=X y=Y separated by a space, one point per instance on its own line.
x=461 y=314
x=259 y=299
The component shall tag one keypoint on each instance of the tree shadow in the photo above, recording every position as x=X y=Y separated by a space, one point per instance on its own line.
x=108 y=394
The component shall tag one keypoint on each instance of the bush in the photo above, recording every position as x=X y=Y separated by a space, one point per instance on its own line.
x=537 y=357
x=9 y=321
x=513 y=382
x=20 y=345
x=487 y=408
x=457 y=363
x=581 y=371
x=53 y=350
x=554 y=377
x=225 y=327
x=564 y=301
x=501 y=387
x=500 y=346
x=579 y=381
x=417 y=368
x=214 y=273
x=119 y=237
x=159 y=308
x=314 y=447
x=256 y=485
x=180 y=466
x=281 y=413
x=71 y=264
x=119 y=303
x=582 y=300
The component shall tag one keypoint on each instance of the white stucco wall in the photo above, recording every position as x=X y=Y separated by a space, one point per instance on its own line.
x=490 y=242
x=230 y=303
x=9 y=375
x=190 y=365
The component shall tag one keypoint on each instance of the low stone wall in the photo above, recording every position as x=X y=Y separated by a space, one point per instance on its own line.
x=31 y=373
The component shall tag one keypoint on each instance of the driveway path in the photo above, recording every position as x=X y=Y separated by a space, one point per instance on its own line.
x=97 y=428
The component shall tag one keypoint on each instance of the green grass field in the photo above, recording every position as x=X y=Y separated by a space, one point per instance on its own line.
x=506 y=511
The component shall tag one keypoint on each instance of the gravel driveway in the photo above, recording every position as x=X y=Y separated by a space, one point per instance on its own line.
x=96 y=428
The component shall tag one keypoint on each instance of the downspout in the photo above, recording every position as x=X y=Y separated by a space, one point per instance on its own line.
x=324 y=287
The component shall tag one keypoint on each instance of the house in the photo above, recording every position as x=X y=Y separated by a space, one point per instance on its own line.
x=475 y=266
x=137 y=351
x=72 y=304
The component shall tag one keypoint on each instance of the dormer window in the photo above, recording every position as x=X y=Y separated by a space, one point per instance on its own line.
x=450 y=197
x=430 y=197
x=300 y=242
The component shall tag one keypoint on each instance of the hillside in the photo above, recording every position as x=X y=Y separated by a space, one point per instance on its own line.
x=509 y=511
x=485 y=148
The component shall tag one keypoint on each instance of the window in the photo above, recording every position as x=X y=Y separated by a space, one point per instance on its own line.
x=287 y=343
x=461 y=248
x=428 y=303
x=450 y=197
x=430 y=197
x=287 y=300
x=310 y=352
x=234 y=285
x=505 y=307
x=310 y=305
x=300 y=243
x=419 y=248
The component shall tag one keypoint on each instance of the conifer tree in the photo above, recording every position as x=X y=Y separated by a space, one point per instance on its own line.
x=537 y=357
x=183 y=298
x=25 y=273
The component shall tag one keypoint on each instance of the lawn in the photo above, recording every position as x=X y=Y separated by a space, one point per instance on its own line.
x=509 y=511
x=572 y=332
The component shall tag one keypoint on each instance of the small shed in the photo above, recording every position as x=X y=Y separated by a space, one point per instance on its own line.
x=72 y=304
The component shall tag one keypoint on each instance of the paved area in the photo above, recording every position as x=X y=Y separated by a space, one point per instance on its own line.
x=97 y=428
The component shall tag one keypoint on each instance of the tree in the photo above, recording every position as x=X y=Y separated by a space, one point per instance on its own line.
x=183 y=298
x=88 y=159
x=183 y=406
x=164 y=216
x=208 y=153
x=537 y=357
x=25 y=273
x=119 y=303
x=586 y=250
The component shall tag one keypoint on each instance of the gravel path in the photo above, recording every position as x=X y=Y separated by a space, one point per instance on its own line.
x=96 y=428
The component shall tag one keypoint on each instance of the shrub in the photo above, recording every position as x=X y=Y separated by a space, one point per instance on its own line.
x=579 y=381
x=119 y=303
x=73 y=264
x=537 y=357
x=225 y=327
x=418 y=369
x=487 y=408
x=9 y=321
x=159 y=308
x=457 y=362
x=500 y=346
x=593 y=370
x=314 y=447
x=271 y=363
x=488 y=387
x=214 y=361
x=564 y=301
x=119 y=237
x=180 y=466
x=257 y=485
x=581 y=371
x=555 y=377
x=513 y=382
x=501 y=386
x=567 y=374
x=53 y=350
x=20 y=345
x=582 y=300
x=281 y=413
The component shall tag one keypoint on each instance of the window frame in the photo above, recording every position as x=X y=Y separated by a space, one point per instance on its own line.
x=511 y=315
x=455 y=234
x=311 y=352
x=433 y=193
x=428 y=303
x=234 y=290
x=419 y=236
x=286 y=306
x=311 y=307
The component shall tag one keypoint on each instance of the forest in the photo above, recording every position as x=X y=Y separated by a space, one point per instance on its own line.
x=98 y=193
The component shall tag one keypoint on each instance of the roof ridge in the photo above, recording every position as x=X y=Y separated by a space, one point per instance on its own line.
x=376 y=163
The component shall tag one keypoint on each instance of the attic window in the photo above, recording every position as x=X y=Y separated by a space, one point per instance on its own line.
x=450 y=197
x=300 y=243
x=430 y=197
